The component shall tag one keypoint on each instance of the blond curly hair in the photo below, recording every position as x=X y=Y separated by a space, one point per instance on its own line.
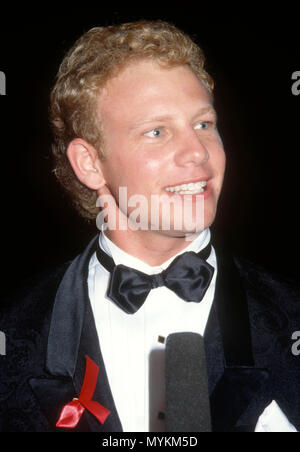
x=96 y=57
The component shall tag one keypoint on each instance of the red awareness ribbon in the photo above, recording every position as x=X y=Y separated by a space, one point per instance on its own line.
x=72 y=412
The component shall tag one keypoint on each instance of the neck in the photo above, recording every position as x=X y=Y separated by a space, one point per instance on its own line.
x=152 y=247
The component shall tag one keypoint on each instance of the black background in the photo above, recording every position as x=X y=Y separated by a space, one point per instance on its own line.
x=250 y=53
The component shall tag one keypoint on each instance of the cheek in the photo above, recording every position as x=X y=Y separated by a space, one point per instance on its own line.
x=144 y=174
x=118 y=167
x=222 y=155
x=146 y=167
x=151 y=167
x=220 y=161
x=223 y=162
x=132 y=166
x=221 y=172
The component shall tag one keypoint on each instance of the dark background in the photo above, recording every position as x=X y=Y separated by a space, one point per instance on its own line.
x=251 y=55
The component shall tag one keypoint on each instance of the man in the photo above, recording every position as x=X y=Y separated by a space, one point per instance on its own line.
x=134 y=124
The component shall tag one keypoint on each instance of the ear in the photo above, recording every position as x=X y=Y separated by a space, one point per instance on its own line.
x=85 y=161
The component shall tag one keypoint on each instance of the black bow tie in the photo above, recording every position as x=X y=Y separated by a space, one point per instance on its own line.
x=189 y=276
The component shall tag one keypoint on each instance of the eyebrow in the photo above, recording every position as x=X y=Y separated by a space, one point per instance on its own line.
x=205 y=110
x=159 y=118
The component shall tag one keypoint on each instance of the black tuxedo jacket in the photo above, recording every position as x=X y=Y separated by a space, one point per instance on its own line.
x=50 y=329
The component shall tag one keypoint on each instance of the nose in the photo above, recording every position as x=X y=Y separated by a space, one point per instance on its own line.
x=191 y=150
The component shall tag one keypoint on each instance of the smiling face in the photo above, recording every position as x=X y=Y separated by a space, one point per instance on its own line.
x=159 y=129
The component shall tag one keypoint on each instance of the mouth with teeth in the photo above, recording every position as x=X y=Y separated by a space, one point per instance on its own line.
x=192 y=188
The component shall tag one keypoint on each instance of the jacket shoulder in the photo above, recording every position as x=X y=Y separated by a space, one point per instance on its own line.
x=24 y=324
x=268 y=287
x=32 y=300
x=274 y=311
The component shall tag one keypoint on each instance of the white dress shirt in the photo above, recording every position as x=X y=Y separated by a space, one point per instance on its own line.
x=273 y=420
x=130 y=345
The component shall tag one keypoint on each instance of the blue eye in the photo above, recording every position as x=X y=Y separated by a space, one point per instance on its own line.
x=204 y=125
x=155 y=133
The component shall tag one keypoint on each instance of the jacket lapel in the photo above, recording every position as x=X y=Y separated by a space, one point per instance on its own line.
x=72 y=336
x=239 y=391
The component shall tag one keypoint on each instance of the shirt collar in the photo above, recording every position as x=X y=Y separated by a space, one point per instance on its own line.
x=121 y=257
